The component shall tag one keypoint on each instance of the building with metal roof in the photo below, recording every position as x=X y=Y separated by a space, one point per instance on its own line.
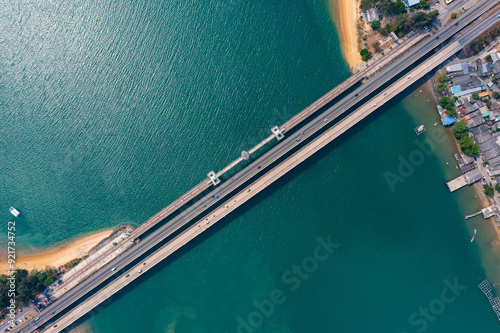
x=448 y=120
x=411 y=3
x=494 y=161
x=473 y=176
x=469 y=91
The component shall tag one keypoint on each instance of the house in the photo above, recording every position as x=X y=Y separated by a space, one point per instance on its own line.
x=469 y=108
x=485 y=112
x=494 y=161
x=492 y=153
x=495 y=57
x=482 y=139
x=371 y=15
x=448 y=120
x=469 y=91
x=457 y=68
x=475 y=121
x=487 y=145
x=494 y=171
x=485 y=69
x=483 y=94
x=496 y=67
x=479 y=130
x=411 y=3
x=473 y=176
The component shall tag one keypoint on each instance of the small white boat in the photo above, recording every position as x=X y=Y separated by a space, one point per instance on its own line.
x=14 y=212
x=474 y=236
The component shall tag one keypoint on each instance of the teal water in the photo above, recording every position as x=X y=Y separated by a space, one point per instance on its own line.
x=111 y=110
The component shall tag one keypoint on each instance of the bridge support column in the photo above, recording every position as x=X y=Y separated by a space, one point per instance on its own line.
x=213 y=178
x=277 y=132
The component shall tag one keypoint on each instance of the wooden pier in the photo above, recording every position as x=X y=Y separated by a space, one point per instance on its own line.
x=456 y=183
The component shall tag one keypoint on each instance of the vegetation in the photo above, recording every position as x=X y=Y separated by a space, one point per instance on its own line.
x=475 y=95
x=466 y=143
x=494 y=80
x=489 y=190
x=375 y=24
x=497 y=187
x=448 y=104
x=468 y=146
x=460 y=129
x=453 y=16
x=478 y=44
x=495 y=94
x=404 y=23
x=442 y=84
x=424 y=4
x=365 y=54
x=28 y=285
x=396 y=7
x=488 y=58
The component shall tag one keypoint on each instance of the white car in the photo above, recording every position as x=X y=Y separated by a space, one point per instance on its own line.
x=139 y=271
x=409 y=76
x=374 y=105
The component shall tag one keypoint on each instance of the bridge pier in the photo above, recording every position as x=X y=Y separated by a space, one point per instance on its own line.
x=213 y=178
x=277 y=132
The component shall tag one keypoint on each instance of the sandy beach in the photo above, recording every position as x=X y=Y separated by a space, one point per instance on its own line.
x=58 y=256
x=345 y=14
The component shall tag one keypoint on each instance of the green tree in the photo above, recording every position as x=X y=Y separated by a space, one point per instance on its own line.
x=494 y=80
x=396 y=7
x=375 y=24
x=365 y=54
x=443 y=77
x=497 y=187
x=441 y=86
x=475 y=95
x=453 y=16
x=495 y=94
x=425 y=4
x=488 y=58
x=473 y=44
x=468 y=146
x=460 y=129
x=489 y=190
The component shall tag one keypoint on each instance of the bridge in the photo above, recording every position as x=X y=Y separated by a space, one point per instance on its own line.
x=237 y=190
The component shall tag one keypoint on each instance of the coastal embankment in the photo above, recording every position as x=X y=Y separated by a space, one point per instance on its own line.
x=345 y=15
x=57 y=256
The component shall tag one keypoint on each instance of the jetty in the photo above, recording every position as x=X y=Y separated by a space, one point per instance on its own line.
x=468 y=178
x=487 y=212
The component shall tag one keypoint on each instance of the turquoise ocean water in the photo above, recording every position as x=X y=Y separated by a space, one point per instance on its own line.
x=111 y=110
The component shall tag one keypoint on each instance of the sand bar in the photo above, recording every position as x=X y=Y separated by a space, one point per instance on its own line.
x=58 y=256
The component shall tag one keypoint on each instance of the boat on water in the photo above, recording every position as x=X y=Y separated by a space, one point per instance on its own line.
x=474 y=236
x=14 y=212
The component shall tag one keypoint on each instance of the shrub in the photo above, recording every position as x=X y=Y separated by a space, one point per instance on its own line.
x=365 y=54
x=375 y=24
x=489 y=191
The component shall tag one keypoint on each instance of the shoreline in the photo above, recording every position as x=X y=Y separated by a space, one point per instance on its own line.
x=57 y=256
x=344 y=14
